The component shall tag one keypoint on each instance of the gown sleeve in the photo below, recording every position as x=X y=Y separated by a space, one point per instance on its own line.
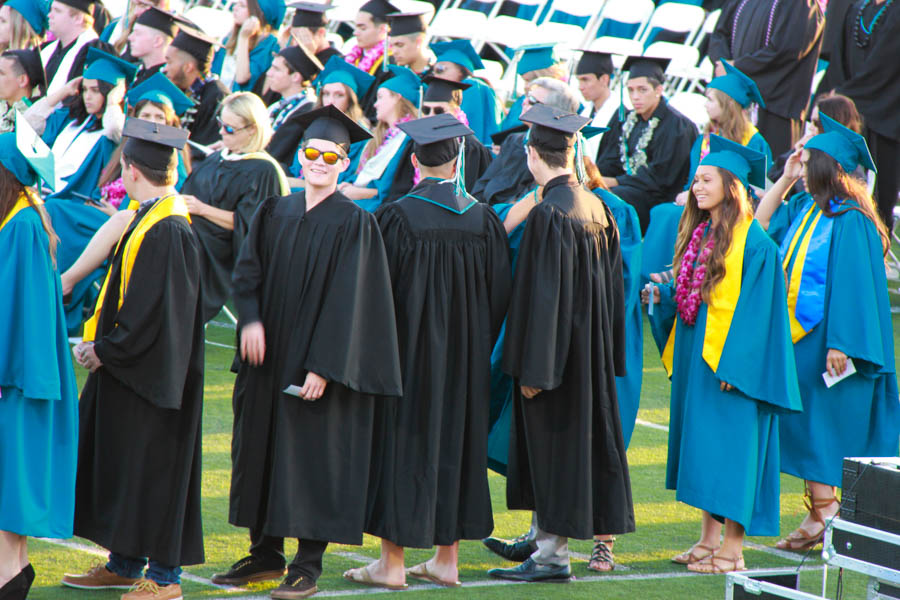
x=499 y=271
x=248 y=272
x=663 y=318
x=397 y=179
x=260 y=61
x=265 y=184
x=720 y=39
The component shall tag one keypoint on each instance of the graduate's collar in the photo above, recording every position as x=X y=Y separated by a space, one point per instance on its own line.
x=567 y=179
x=442 y=193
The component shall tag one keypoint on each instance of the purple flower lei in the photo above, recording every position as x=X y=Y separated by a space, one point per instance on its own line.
x=689 y=280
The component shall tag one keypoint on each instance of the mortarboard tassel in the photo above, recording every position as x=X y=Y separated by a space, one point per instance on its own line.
x=384 y=56
x=580 y=173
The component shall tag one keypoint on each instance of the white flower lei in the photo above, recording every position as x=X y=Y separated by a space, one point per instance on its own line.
x=639 y=158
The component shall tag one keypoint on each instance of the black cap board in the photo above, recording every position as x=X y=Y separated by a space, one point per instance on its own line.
x=594 y=63
x=379 y=9
x=436 y=139
x=500 y=137
x=407 y=23
x=309 y=14
x=85 y=6
x=199 y=45
x=300 y=59
x=441 y=90
x=151 y=144
x=329 y=123
x=553 y=129
x=646 y=66
x=160 y=20
x=30 y=61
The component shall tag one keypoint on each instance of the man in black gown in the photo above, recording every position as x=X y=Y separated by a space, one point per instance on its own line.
x=318 y=350
x=153 y=31
x=776 y=43
x=290 y=75
x=138 y=485
x=567 y=458
x=645 y=158
x=308 y=28
x=449 y=262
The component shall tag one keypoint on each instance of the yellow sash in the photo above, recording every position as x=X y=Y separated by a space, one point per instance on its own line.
x=21 y=203
x=748 y=135
x=797 y=331
x=166 y=206
x=720 y=310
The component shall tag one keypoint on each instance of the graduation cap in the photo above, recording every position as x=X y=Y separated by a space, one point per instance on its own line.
x=646 y=66
x=330 y=123
x=14 y=161
x=594 y=63
x=404 y=82
x=35 y=12
x=198 y=45
x=160 y=20
x=590 y=131
x=338 y=70
x=379 y=9
x=273 y=11
x=407 y=23
x=844 y=145
x=309 y=14
x=738 y=86
x=460 y=52
x=436 y=139
x=159 y=88
x=535 y=57
x=34 y=150
x=500 y=137
x=302 y=61
x=152 y=145
x=30 y=61
x=85 y=6
x=107 y=67
x=441 y=90
x=746 y=164
x=553 y=129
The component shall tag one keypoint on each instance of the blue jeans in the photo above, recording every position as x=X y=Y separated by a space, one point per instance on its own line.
x=133 y=568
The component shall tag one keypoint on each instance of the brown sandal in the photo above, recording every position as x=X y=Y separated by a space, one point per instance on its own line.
x=800 y=539
x=689 y=558
x=602 y=558
x=709 y=564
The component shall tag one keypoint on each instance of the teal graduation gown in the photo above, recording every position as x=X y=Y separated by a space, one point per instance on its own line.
x=482 y=108
x=859 y=416
x=38 y=393
x=724 y=446
x=260 y=60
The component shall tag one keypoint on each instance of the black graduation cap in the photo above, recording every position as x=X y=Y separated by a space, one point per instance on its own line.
x=553 y=129
x=85 y=6
x=151 y=144
x=500 y=137
x=309 y=14
x=329 y=123
x=441 y=90
x=30 y=61
x=197 y=44
x=436 y=139
x=594 y=63
x=160 y=20
x=379 y=9
x=646 y=66
x=301 y=60
x=407 y=23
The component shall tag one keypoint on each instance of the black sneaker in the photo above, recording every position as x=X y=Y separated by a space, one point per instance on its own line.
x=295 y=586
x=249 y=570
x=516 y=550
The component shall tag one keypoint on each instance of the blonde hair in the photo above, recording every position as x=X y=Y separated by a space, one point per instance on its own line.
x=264 y=28
x=557 y=71
x=732 y=122
x=354 y=110
x=22 y=36
x=406 y=107
x=248 y=107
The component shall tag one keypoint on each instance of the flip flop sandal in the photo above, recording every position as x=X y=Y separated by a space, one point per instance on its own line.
x=362 y=576
x=421 y=571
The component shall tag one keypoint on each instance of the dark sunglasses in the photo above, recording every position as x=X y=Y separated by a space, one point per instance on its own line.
x=438 y=110
x=330 y=158
x=229 y=129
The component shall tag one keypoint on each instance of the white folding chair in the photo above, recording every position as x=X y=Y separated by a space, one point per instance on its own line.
x=343 y=11
x=509 y=31
x=709 y=25
x=456 y=22
x=691 y=105
x=683 y=60
x=635 y=12
x=618 y=47
x=675 y=17
x=567 y=34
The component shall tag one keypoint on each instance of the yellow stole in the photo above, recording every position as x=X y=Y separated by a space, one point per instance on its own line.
x=167 y=206
x=722 y=303
x=20 y=204
x=802 y=238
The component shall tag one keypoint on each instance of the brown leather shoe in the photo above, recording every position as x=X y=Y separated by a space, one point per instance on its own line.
x=98 y=577
x=147 y=589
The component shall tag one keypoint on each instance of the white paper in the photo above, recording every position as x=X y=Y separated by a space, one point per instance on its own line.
x=292 y=390
x=850 y=370
x=649 y=288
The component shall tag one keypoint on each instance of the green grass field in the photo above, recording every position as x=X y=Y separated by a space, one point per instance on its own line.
x=664 y=527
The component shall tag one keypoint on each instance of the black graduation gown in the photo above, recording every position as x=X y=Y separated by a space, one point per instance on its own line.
x=783 y=70
x=327 y=53
x=478 y=159
x=145 y=73
x=138 y=484
x=237 y=186
x=203 y=126
x=565 y=335
x=507 y=178
x=286 y=139
x=668 y=160
x=319 y=284
x=452 y=280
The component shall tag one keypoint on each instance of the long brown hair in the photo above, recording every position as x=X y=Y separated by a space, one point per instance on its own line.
x=735 y=207
x=381 y=128
x=11 y=189
x=264 y=28
x=21 y=35
x=842 y=109
x=827 y=180
x=732 y=122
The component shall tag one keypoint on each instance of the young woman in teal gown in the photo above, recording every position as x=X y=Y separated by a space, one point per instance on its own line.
x=730 y=358
x=833 y=246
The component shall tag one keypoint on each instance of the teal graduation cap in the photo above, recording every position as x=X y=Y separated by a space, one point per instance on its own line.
x=338 y=70
x=404 y=82
x=535 y=57
x=746 y=164
x=738 y=86
x=844 y=145
x=273 y=11
x=35 y=12
x=34 y=150
x=160 y=88
x=106 y=67
x=460 y=52
x=14 y=161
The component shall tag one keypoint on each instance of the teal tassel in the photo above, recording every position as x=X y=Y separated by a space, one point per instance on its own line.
x=384 y=56
x=621 y=102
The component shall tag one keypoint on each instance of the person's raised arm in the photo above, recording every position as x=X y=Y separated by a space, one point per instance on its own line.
x=776 y=194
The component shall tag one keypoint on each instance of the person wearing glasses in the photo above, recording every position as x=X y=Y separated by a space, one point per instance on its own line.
x=312 y=287
x=224 y=190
